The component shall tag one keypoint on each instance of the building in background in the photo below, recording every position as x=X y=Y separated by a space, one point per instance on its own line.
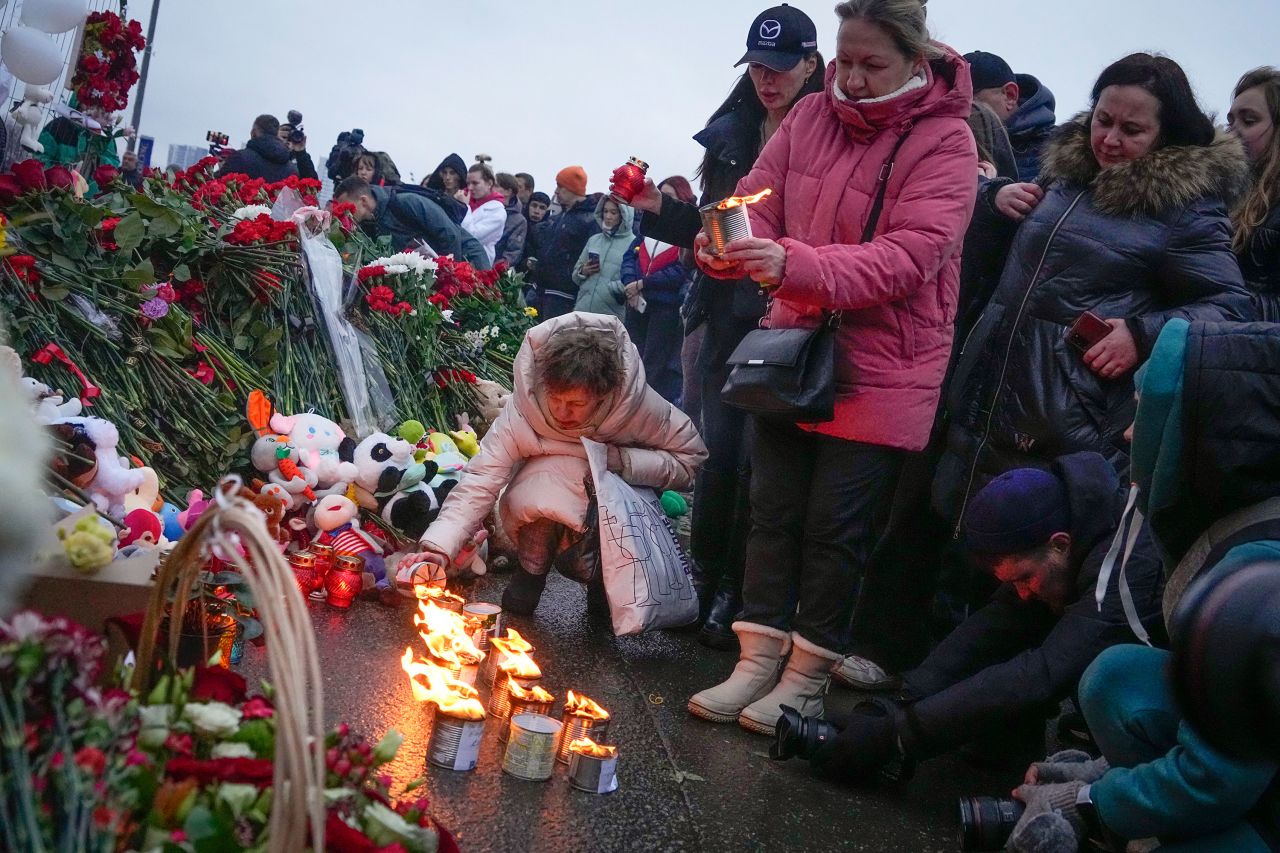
x=184 y=156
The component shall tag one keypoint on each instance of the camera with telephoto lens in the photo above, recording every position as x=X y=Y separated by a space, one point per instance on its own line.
x=357 y=136
x=987 y=822
x=796 y=736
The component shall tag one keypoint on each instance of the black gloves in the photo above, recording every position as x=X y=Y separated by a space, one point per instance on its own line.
x=870 y=739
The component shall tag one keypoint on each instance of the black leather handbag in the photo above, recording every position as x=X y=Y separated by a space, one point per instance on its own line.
x=789 y=374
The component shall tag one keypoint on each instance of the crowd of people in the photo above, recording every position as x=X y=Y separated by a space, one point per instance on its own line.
x=1030 y=313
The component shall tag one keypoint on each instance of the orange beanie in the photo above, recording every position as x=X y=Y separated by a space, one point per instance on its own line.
x=573 y=178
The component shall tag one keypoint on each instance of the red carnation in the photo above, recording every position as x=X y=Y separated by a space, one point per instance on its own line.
x=92 y=759
x=30 y=175
x=215 y=684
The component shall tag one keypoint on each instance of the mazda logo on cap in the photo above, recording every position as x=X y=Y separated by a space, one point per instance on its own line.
x=770 y=30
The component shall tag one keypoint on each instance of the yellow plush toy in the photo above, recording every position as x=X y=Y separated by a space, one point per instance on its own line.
x=465 y=437
x=89 y=546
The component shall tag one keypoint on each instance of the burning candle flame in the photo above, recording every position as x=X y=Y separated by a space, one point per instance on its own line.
x=437 y=594
x=735 y=201
x=533 y=694
x=581 y=706
x=513 y=642
x=445 y=635
x=587 y=746
x=432 y=683
x=520 y=665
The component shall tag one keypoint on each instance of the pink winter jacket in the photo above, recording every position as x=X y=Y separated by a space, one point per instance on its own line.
x=545 y=466
x=898 y=292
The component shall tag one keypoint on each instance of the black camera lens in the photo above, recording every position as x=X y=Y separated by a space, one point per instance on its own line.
x=987 y=822
x=796 y=736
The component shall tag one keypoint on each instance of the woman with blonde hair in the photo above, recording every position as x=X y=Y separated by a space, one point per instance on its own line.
x=1254 y=116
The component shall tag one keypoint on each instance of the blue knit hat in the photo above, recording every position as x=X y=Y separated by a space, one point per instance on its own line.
x=1015 y=512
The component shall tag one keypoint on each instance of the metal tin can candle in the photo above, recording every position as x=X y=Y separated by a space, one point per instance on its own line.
x=535 y=700
x=593 y=767
x=505 y=649
x=531 y=747
x=583 y=718
x=500 y=698
x=455 y=741
x=484 y=622
x=728 y=220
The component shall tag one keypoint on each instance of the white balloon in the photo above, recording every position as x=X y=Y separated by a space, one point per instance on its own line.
x=54 y=16
x=31 y=55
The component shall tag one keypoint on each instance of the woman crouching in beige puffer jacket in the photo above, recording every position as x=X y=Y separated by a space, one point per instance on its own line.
x=576 y=376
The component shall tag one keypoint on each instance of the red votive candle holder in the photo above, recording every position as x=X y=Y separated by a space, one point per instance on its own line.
x=345 y=581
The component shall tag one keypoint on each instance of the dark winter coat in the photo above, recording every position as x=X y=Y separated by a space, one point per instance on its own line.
x=305 y=165
x=264 y=157
x=1031 y=126
x=1260 y=264
x=410 y=217
x=515 y=234
x=1014 y=656
x=456 y=163
x=663 y=273
x=733 y=141
x=1145 y=241
x=560 y=241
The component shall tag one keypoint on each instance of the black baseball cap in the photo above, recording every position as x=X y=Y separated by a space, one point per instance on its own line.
x=988 y=70
x=779 y=38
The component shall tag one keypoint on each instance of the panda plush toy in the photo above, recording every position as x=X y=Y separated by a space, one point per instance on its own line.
x=391 y=483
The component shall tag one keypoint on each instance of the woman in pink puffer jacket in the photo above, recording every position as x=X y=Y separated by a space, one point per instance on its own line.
x=819 y=491
x=576 y=376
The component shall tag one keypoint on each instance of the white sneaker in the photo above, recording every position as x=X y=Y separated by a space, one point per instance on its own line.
x=862 y=674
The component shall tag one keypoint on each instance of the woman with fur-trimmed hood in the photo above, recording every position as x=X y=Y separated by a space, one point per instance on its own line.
x=1129 y=222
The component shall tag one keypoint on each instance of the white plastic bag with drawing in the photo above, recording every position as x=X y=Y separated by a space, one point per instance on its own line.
x=647 y=575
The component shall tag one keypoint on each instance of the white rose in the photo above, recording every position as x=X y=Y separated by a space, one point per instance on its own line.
x=212 y=718
x=232 y=750
x=155 y=720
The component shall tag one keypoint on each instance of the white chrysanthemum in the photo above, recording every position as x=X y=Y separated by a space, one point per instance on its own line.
x=251 y=211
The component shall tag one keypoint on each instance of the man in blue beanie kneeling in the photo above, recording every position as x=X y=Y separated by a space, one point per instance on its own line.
x=1045 y=535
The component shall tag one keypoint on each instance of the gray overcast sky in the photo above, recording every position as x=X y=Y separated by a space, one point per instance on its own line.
x=540 y=85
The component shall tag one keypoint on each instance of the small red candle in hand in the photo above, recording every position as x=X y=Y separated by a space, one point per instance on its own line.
x=628 y=180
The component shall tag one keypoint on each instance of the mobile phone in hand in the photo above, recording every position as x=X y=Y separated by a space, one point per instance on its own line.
x=593 y=257
x=1087 y=330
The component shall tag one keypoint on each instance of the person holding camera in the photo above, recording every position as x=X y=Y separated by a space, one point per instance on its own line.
x=1206 y=468
x=264 y=156
x=292 y=135
x=1045 y=535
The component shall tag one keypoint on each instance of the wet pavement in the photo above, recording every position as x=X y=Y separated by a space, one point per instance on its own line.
x=685 y=785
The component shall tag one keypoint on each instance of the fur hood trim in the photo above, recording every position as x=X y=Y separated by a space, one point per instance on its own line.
x=1167 y=179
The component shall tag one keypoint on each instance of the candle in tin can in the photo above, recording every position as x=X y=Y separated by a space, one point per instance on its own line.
x=583 y=718
x=593 y=767
x=455 y=741
x=500 y=698
x=535 y=700
x=728 y=220
x=484 y=622
x=531 y=747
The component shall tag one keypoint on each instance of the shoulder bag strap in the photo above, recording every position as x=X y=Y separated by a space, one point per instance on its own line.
x=886 y=171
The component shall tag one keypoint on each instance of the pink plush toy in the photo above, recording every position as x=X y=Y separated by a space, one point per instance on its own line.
x=196 y=504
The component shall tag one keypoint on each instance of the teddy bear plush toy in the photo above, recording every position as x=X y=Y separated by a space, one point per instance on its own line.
x=114 y=480
x=30 y=116
x=336 y=518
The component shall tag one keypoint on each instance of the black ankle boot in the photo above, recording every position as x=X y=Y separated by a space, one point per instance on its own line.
x=717 y=630
x=523 y=592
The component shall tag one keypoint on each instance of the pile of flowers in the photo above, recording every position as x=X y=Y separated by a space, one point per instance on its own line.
x=107 y=67
x=186 y=767
x=440 y=325
x=178 y=300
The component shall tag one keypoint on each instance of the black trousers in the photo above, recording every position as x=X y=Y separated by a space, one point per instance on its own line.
x=817 y=507
x=722 y=492
x=658 y=333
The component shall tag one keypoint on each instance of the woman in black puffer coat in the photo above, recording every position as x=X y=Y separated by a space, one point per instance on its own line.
x=1133 y=227
x=1255 y=120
